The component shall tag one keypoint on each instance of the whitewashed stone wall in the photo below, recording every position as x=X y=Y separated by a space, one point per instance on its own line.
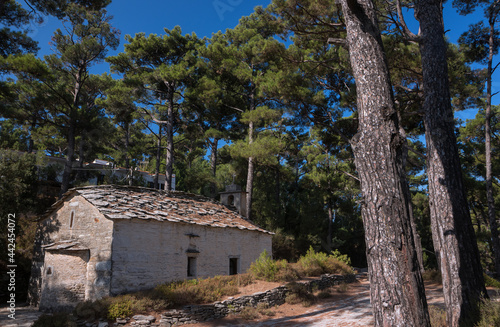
x=93 y=231
x=148 y=253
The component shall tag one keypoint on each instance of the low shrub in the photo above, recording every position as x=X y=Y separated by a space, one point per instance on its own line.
x=264 y=310
x=491 y=282
x=287 y=273
x=489 y=314
x=249 y=313
x=318 y=263
x=325 y=294
x=342 y=287
x=120 y=309
x=265 y=268
x=341 y=257
x=298 y=293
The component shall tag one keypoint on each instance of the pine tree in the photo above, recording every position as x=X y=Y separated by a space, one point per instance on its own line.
x=211 y=99
x=397 y=292
x=160 y=66
x=453 y=234
x=66 y=73
x=251 y=56
x=481 y=44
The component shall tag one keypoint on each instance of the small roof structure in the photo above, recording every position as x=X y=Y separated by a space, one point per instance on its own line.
x=70 y=245
x=132 y=202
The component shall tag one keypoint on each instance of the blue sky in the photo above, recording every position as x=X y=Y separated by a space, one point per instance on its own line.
x=205 y=17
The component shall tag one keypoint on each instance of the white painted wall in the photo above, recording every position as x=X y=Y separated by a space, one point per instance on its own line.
x=148 y=253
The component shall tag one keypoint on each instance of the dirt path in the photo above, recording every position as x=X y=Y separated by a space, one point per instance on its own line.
x=25 y=316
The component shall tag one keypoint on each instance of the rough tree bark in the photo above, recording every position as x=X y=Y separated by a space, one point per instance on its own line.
x=397 y=291
x=70 y=153
x=126 y=127
x=277 y=190
x=250 y=175
x=169 y=160
x=156 y=180
x=487 y=140
x=452 y=231
x=213 y=166
x=250 y=172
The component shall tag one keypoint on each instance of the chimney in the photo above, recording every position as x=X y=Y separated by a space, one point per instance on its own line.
x=235 y=197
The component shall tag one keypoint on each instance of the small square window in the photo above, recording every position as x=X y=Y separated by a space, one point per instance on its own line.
x=49 y=271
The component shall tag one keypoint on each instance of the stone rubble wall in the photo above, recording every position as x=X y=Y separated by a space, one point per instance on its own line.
x=198 y=313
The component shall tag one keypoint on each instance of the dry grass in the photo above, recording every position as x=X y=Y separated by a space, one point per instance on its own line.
x=325 y=294
x=437 y=316
x=199 y=291
x=432 y=275
x=298 y=294
x=342 y=287
x=251 y=313
x=165 y=296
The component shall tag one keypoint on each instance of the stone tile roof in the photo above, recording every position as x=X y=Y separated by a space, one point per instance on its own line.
x=130 y=202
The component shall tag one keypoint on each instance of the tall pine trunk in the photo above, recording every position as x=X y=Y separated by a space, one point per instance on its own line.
x=397 y=290
x=277 y=190
x=250 y=172
x=213 y=166
x=127 y=145
x=158 y=161
x=330 y=224
x=68 y=166
x=250 y=175
x=169 y=160
x=487 y=152
x=452 y=231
